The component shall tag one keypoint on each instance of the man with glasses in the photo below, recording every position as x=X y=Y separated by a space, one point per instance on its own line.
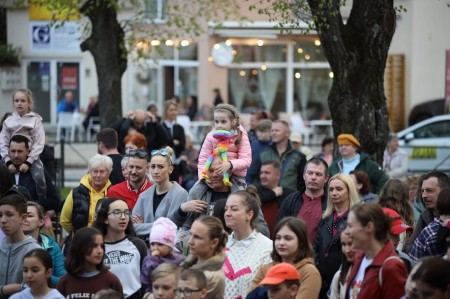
x=192 y=284
x=107 y=145
x=137 y=182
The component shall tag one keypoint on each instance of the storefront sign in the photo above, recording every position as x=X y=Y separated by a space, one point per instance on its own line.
x=63 y=38
x=69 y=78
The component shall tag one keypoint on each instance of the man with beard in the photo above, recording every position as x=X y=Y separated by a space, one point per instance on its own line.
x=137 y=181
x=309 y=203
x=429 y=242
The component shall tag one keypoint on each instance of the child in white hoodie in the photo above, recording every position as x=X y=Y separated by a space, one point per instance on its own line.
x=25 y=122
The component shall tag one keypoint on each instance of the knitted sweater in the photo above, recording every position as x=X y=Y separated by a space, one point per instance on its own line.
x=243 y=259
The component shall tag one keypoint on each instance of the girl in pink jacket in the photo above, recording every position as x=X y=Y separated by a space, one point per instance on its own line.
x=229 y=140
x=25 y=122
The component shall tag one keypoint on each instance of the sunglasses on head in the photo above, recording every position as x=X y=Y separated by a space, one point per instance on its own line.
x=162 y=152
x=137 y=153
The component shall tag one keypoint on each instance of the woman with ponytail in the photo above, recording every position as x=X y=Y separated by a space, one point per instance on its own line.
x=246 y=249
x=206 y=245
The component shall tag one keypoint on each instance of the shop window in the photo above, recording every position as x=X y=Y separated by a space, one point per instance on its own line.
x=309 y=50
x=273 y=53
x=311 y=88
x=255 y=89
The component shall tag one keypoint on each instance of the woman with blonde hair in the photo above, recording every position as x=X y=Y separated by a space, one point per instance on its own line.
x=163 y=198
x=175 y=130
x=206 y=244
x=342 y=195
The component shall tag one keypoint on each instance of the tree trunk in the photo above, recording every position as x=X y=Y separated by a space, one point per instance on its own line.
x=107 y=45
x=357 y=52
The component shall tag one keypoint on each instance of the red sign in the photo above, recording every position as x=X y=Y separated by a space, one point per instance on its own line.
x=69 y=77
x=447 y=81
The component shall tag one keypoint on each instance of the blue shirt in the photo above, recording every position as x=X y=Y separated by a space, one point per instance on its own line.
x=63 y=106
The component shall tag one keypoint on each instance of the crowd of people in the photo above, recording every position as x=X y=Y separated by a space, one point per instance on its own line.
x=250 y=215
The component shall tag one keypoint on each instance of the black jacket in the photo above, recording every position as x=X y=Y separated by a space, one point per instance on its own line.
x=327 y=249
x=154 y=132
x=293 y=202
x=178 y=134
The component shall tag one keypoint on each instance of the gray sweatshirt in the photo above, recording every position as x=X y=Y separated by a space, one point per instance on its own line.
x=11 y=259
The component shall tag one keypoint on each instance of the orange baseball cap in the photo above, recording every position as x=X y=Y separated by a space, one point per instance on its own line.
x=279 y=273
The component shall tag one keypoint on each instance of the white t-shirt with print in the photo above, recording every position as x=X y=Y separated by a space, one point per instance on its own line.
x=356 y=285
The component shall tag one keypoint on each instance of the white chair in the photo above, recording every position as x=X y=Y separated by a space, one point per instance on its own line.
x=94 y=124
x=298 y=125
x=69 y=121
x=185 y=122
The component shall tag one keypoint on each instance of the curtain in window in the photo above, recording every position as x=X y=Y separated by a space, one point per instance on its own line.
x=268 y=85
x=238 y=86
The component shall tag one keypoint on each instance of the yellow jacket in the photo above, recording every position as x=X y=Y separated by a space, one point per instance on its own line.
x=66 y=213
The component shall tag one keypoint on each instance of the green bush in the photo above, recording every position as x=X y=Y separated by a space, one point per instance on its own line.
x=9 y=55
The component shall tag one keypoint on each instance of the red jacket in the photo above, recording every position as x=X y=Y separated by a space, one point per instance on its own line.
x=394 y=276
x=125 y=191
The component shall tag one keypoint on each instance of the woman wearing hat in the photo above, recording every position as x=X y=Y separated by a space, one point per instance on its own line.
x=354 y=159
x=378 y=272
x=124 y=252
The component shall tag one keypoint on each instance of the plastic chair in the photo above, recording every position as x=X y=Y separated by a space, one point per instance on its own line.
x=94 y=124
x=69 y=121
x=185 y=122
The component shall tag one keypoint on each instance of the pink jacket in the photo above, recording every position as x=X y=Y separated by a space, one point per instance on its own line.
x=30 y=126
x=240 y=156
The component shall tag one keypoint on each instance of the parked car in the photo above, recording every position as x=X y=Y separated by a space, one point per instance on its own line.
x=426 y=110
x=427 y=144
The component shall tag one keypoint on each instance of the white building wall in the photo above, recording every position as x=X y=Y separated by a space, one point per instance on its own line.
x=422 y=34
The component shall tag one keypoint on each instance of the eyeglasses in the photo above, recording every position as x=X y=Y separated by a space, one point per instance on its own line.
x=185 y=292
x=163 y=152
x=137 y=153
x=119 y=213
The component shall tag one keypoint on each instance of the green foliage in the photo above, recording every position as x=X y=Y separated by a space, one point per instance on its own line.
x=296 y=14
x=9 y=55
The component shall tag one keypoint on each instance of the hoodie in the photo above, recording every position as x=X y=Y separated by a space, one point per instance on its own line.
x=87 y=211
x=30 y=126
x=11 y=259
